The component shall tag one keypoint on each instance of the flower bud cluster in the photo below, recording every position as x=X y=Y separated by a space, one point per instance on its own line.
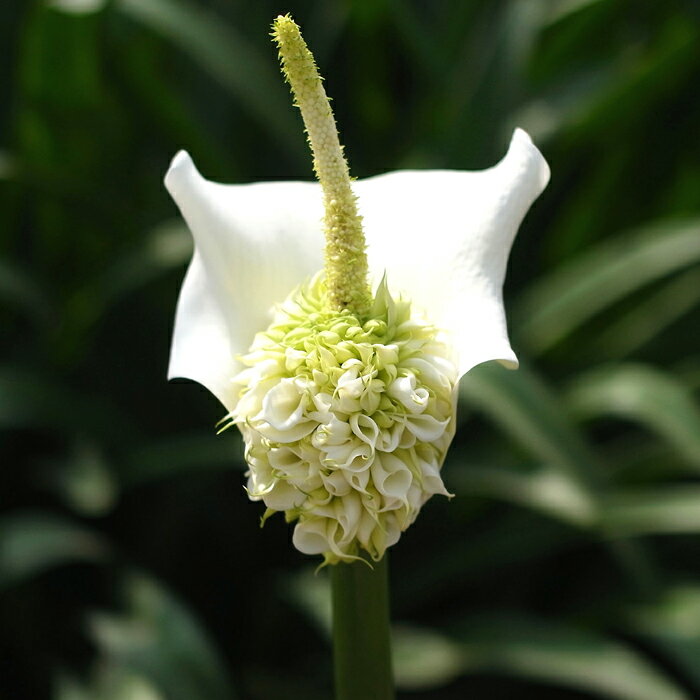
x=346 y=422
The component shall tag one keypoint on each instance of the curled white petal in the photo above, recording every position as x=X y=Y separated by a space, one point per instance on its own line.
x=283 y=496
x=364 y=428
x=425 y=427
x=349 y=514
x=337 y=484
x=388 y=535
x=389 y=438
x=358 y=480
x=404 y=390
x=391 y=476
x=354 y=455
x=283 y=405
x=333 y=432
x=311 y=536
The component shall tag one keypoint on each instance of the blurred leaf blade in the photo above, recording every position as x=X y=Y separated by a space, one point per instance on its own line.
x=556 y=653
x=18 y=289
x=182 y=455
x=32 y=543
x=561 y=302
x=32 y=400
x=424 y=659
x=161 y=640
x=228 y=57
x=651 y=511
x=671 y=623
x=543 y=489
x=642 y=394
x=108 y=684
x=582 y=507
x=526 y=409
x=647 y=321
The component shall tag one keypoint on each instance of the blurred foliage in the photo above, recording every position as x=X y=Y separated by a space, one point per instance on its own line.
x=132 y=566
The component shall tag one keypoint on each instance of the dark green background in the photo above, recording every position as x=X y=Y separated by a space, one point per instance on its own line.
x=132 y=566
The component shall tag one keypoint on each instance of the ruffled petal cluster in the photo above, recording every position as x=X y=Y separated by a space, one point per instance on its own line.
x=346 y=421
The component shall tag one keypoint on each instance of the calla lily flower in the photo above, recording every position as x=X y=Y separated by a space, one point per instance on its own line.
x=346 y=397
x=439 y=239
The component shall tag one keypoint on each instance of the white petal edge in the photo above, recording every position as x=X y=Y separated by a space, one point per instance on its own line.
x=253 y=244
x=442 y=237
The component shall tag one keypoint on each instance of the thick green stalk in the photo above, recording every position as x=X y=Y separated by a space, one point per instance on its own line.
x=361 y=639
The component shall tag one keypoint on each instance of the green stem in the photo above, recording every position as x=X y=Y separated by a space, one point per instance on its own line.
x=361 y=641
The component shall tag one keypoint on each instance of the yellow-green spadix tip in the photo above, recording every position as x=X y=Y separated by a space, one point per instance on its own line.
x=345 y=258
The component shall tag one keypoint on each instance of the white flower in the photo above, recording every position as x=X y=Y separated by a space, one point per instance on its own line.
x=348 y=441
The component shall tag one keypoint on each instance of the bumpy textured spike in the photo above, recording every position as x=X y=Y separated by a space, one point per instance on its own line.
x=346 y=260
x=346 y=421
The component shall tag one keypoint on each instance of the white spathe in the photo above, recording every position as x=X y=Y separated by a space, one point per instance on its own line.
x=441 y=236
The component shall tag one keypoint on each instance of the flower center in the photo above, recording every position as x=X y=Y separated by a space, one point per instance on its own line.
x=346 y=422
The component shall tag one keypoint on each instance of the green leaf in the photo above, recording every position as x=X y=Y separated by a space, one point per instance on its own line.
x=183 y=454
x=658 y=510
x=309 y=590
x=109 y=683
x=29 y=400
x=671 y=623
x=563 y=301
x=19 y=289
x=524 y=407
x=647 y=321
x=642 y=394
x=522 y=404
x=167 y=247
x=423 y=658
x=579 y=659
x=559 y=11
x=85 y=480
x=515 y=539
x=528 y=648
x=229 y=58
x=159 y=640
x=545 y=489
x=32 y=543
x=8 y=166
x=78 y=7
